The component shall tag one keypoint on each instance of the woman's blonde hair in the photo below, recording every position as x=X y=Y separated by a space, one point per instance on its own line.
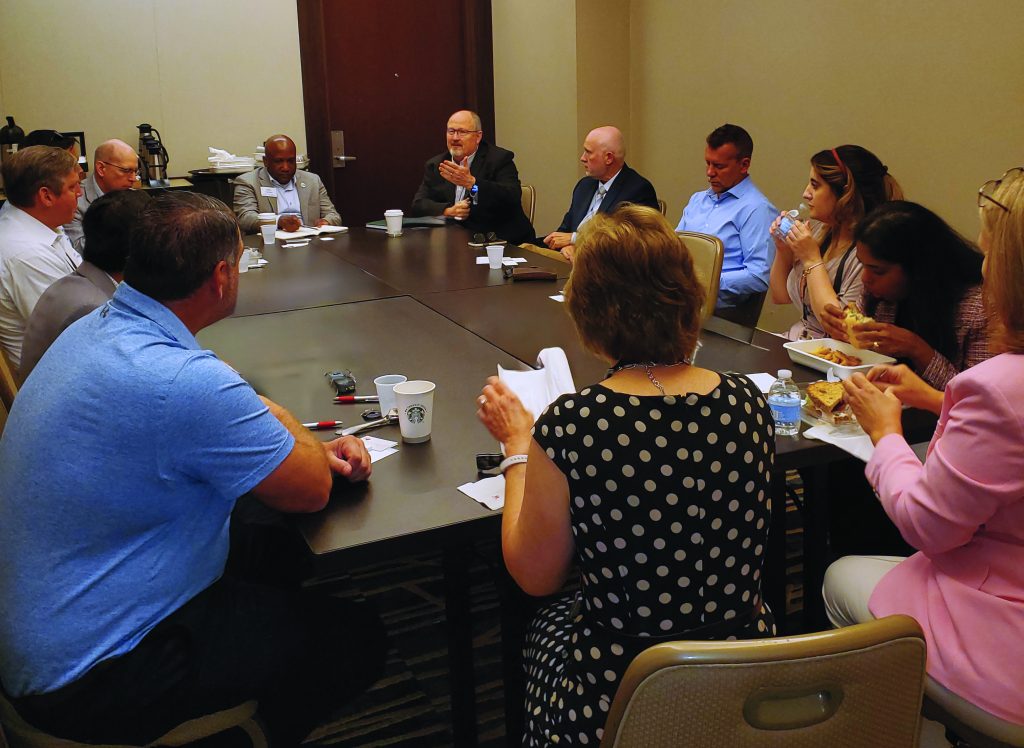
x=1004 y=266
x=633 y=293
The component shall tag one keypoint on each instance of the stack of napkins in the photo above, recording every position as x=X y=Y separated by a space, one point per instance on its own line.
x=221 y=160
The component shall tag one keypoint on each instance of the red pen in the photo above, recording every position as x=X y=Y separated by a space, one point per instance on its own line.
x=357 y=399
x=315 y=425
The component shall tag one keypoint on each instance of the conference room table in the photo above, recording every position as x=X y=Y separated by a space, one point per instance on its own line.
x=421 y=306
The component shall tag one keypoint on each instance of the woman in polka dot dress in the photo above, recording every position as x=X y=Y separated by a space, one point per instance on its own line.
x=654 y=481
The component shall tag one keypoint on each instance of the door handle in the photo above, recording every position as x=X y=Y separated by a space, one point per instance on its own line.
x=338 y=149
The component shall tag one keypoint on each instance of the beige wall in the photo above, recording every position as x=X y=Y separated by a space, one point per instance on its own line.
x=196 y=70
x=535 y=97
x=935 y=89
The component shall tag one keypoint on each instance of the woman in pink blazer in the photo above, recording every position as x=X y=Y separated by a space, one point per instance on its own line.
x=964 y=508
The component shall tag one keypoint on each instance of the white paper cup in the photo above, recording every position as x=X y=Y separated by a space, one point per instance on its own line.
x=415 y=402
x=268 y=226
x=385 y=385
x=393 y=218
x=494 y=254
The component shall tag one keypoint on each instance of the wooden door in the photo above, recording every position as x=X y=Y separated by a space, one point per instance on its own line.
x=387 y=74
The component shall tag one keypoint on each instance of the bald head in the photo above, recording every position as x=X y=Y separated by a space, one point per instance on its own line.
x=279 y=157
x=116 y=165
x=464 y=133
x=604 y=153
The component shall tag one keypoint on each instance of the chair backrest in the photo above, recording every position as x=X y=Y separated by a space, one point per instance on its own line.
x=662 y=206
x=855 y=686
x=969 y=722
x=9 y=381
x=529 y=198
x=706 y=251
x=20 y=734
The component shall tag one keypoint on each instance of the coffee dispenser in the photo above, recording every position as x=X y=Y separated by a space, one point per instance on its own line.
x=10 y=140
x=153 y=157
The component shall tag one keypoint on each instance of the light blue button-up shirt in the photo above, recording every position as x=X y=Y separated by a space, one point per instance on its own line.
x=740 y=217
x=287 y=198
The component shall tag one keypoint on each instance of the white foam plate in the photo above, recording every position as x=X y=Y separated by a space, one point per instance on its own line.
x=800 y=353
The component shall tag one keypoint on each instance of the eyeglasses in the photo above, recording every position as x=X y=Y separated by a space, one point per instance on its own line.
x=988 y=189
x=460 y=132
x=123 y=169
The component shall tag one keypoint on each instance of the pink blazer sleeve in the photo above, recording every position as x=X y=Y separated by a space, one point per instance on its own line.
x=975 y=466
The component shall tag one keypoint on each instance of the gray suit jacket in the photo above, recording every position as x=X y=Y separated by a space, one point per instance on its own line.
x=66 y=300
x=249 y=200
x=90 y=193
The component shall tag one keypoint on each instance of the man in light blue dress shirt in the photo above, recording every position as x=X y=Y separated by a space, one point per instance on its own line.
x=734 y=210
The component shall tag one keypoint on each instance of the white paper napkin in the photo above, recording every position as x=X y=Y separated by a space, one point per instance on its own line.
x=763 y=380
x=488 y=491
x=856 y=442
x=380 y=448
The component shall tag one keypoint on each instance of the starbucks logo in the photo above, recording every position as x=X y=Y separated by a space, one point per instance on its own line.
x=416 y=413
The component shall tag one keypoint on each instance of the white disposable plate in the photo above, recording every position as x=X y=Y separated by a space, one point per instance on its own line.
x=800 y=353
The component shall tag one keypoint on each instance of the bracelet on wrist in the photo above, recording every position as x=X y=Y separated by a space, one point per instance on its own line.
x=512 y=460
x=809 y=268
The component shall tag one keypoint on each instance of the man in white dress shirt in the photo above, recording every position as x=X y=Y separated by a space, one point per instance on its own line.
x=43 y=187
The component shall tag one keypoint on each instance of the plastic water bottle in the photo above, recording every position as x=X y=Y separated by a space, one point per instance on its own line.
x=784 y=401
x=786 y=223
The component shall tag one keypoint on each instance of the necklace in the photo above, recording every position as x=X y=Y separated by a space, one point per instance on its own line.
x=648 y=367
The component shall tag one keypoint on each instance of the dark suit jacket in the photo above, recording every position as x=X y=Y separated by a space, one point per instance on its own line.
x=499 y=205
x=628 y=187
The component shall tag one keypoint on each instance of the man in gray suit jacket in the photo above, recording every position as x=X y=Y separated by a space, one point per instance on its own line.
x=106 y=227
x=115 y=167
x=298 y=197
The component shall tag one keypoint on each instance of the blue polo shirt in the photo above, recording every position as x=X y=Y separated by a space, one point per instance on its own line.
x=120 y=463
x=740 y=217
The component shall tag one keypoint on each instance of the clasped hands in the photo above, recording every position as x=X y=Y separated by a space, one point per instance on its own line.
x=349 y=458
x=292 y=222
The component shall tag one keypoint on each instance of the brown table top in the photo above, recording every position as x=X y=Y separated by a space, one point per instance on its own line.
x=521 y=320
x=425 y=260
x=412 y=496
x=303 y=277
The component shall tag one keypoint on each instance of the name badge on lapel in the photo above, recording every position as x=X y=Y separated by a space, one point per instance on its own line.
x=268 y=191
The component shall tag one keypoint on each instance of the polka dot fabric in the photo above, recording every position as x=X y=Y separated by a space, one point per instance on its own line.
x=669 y=506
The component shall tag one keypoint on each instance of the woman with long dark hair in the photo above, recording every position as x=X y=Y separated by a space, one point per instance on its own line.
x=922 y=286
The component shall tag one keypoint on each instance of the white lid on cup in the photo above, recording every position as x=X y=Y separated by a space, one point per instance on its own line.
x=393 y=212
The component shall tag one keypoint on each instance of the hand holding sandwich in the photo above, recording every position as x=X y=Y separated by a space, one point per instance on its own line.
x=867 y=334
x=878 y=412
x=907 y=386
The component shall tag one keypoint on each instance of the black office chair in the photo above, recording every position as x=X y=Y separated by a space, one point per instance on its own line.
x=747 y=314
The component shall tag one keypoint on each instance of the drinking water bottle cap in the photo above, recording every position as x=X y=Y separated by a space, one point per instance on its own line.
x=784 y=374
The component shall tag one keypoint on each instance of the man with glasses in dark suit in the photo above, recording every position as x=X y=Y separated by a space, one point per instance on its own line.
x=474 y=183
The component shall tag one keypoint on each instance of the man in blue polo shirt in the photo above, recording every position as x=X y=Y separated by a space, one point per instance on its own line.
x=120 y=465
x=735 y=211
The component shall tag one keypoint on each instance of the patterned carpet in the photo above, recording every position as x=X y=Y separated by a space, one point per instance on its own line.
x=410 y=705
